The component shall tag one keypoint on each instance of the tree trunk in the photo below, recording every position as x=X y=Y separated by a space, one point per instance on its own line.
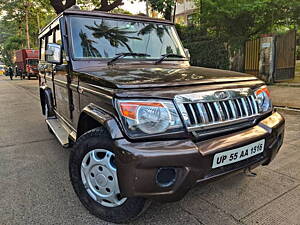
x=168 y=13
x=38 y=22
x=147 y=8
x=59 y=7
x=106 y=7
x=27 y=28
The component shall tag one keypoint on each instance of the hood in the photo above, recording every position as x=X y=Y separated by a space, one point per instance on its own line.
x=151 y=77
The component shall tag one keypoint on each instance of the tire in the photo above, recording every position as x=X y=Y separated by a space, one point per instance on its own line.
x=100 y=140
x=47 y=108
x=47 y=114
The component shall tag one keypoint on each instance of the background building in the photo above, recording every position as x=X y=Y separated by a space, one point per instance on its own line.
x=184 y=11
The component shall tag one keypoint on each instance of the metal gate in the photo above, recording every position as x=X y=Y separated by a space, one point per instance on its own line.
x=281 y=60
x=252 y=51
x=285 y=57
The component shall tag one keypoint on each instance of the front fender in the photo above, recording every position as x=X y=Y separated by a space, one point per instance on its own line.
x=46 y=96
x=103 y=118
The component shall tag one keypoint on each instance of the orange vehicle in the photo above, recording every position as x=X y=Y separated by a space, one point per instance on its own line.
x=27 y=63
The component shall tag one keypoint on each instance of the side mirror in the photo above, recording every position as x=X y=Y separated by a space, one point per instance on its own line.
x=187 y=53
x=54 y=53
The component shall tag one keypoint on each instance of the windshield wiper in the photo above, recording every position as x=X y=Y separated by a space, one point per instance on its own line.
x=125 y=54
x=171 y=55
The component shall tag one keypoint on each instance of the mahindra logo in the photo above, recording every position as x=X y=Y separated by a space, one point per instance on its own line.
x=221 y=95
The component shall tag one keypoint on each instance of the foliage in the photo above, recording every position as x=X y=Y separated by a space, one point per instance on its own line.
x=298 y=52
x=163 y=6
x=205 y=50
x=101 y=5
x=13 y=24
x=59 y=5
x=121 y=11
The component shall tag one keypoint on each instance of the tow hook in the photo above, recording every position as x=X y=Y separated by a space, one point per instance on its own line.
x=249 y=173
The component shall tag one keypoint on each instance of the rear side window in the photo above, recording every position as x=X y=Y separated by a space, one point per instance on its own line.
x=42 y=49
x=54 y=36
x=58 y=36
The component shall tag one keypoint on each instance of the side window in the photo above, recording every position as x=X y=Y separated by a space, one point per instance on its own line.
x=58 y=36
x=51 y=37
x=58 y=40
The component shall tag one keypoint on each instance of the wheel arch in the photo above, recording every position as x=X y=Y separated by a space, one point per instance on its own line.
x=46 y=95
x=42 y=99
x=92 y=116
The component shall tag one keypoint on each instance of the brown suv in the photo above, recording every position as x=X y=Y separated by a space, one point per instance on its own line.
x=144 y=123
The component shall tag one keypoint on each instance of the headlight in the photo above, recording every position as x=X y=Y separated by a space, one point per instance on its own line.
x=263 y=99
x=148 y=117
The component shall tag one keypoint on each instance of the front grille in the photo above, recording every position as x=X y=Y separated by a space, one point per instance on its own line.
x=214 y=112
x=206 y=110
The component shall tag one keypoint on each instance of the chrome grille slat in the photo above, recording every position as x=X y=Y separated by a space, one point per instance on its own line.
x=193 y=113
x=250 y=104
x=254 y=103
x=203 y=112
x=211 y=113
x=219 y=111
x=233 y=109
x=239 y=107
x=226 y=110
x=245 y=108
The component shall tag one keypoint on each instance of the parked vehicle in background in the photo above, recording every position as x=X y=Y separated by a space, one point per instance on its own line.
x=2 y=69
x=145 y=124
x=27 y=63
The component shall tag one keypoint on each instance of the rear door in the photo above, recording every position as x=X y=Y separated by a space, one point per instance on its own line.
x=61 y=82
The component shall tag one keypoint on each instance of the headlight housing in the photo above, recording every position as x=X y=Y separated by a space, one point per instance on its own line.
x=263 y=99
x=149 y=117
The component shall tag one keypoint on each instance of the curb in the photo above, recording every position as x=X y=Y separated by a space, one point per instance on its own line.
x=285 y=108
x=286 y=85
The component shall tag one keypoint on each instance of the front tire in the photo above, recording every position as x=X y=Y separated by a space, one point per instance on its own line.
x=93 y=174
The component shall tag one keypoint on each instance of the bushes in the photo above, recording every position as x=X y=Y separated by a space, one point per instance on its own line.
x=205 y=51
x=298 y=53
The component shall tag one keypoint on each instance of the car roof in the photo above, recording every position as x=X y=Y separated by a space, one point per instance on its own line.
x=96 y=13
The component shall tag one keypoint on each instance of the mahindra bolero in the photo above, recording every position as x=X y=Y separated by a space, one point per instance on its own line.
x=141 y=123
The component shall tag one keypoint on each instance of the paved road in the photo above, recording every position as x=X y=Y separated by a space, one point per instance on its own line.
x=35 y=187
x=286 y=95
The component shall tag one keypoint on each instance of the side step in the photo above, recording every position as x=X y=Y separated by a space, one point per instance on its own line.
x=59 y=131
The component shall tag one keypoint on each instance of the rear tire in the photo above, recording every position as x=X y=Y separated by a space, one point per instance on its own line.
x=47 y=115
x=125 y=210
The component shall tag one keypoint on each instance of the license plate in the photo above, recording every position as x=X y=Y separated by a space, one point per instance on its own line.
x=238 y=154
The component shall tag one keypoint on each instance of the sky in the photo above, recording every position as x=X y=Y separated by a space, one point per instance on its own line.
x=135 y=8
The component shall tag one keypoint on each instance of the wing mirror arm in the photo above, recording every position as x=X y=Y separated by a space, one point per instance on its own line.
x=187 y=53
x=62 y=67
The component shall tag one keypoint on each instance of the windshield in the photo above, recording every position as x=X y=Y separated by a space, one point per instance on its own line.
x=96 y=38
x=32 y=62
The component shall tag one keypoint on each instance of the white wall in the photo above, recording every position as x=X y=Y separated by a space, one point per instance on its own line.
x=186 y=5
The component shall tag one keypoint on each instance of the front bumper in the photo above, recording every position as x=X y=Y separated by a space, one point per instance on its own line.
x=139 y=162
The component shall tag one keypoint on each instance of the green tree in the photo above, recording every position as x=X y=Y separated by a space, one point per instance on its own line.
x=165 y=7
x=101 y=5
x=239 y=20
